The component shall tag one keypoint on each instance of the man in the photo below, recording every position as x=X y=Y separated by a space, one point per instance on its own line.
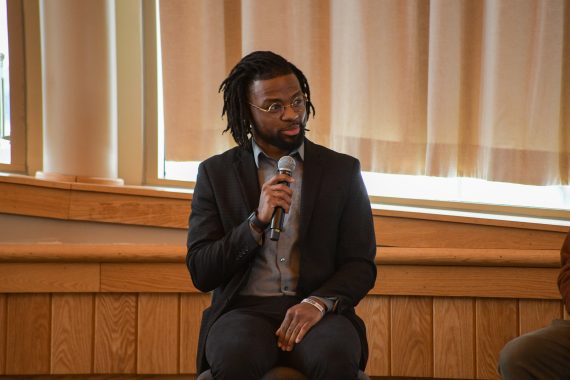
x=291 y=301
x=545 y=353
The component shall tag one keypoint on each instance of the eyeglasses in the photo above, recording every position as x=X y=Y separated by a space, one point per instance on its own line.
x=297 y=105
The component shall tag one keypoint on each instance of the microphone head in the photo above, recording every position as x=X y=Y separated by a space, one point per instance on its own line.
x=286 y=163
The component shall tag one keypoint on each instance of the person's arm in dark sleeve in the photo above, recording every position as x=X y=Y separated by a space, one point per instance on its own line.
x=214 y=254
x=356 y=273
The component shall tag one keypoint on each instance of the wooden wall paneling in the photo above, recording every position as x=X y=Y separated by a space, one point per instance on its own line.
x=496 y=324
x=72 y=333
x=454 y=337
x=2 y=334
x=566 y=315
x=375 y=312
x=146 y=277
x=158 y=333
x=535 y=314
x=129 y=209
x=35 y=201
x=191 y=307
x=409 y=232
x=49 y=277
x=467 y=281
x=115 y=333
x=28 y=334
x=411 y=336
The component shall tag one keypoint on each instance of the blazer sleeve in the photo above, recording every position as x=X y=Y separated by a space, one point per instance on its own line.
x=564 y=276
x=217 y=249
x=355 y=272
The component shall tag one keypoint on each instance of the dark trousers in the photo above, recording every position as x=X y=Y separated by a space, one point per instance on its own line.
x=541 y=354
x=242 y=343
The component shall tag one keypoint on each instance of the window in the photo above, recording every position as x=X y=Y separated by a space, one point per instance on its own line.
x=385 y=77
x=12 y=108
x=5 y=156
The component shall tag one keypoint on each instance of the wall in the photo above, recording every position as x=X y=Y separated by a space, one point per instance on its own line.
x=451 y=291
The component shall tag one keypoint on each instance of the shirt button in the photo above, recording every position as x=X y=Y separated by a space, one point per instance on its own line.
x=282 y=259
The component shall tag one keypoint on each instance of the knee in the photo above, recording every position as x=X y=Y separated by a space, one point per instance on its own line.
x=240 y=360
x=333 y=361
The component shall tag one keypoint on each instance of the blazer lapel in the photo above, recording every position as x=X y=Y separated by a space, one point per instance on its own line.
x=246 y=174
x=312 y=172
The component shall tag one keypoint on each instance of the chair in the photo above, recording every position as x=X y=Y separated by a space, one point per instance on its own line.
x=278 y=373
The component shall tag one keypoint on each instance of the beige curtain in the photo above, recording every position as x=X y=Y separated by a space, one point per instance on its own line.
x=445 y=88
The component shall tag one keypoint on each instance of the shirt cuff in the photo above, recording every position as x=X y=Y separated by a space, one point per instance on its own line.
x=258 y=236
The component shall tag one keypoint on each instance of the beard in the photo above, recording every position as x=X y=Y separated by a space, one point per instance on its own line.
x=279 y=141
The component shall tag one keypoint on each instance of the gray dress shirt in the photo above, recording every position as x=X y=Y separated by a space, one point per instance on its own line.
x=275 y=270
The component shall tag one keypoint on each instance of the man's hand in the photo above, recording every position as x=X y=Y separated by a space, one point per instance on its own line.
x=274 y=194
x=298 y=320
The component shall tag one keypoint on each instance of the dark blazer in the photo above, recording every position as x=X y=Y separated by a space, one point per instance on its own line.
x=336 y=237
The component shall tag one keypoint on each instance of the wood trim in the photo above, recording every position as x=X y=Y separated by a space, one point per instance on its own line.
x=48 y=277
x=89 y=253
x=50 y=202
x=79 y=179
x=546 y=258
x=478 y=218
x=129 y=209
x=26 y=191
x=146 y=277
x=457 y=281
x=163 y=253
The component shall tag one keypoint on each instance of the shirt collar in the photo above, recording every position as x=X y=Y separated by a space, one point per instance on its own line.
x=300 y=151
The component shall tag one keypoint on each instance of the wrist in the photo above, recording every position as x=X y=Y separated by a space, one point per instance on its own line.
x=255 y=223
x=315 y=303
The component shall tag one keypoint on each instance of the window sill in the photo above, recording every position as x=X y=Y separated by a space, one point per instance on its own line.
x=170 y=207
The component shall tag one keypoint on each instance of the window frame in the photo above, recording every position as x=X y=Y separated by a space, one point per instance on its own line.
x=151 y=111
x=17 y=73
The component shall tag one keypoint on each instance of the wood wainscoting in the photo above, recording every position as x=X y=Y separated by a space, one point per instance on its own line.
x=115 y=309
x=451 y=290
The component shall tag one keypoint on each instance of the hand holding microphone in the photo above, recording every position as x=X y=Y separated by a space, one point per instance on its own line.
x=276 y=197
x=286 y=165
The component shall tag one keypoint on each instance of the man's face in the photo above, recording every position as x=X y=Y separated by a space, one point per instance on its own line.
x=281 y=132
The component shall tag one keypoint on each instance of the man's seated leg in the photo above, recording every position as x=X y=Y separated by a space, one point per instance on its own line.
x=329 y=351
x=541 y=354
x=241 y=345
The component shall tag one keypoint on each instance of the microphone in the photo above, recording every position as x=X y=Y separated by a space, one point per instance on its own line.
x=286 y=165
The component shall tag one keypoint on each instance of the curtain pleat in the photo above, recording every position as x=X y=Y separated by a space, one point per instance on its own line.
x=445 y=88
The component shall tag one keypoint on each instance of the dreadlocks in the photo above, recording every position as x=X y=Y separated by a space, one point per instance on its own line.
x=259 y=65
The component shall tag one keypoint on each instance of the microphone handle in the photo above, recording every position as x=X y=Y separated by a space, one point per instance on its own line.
x=278 y=217
x=277 y=223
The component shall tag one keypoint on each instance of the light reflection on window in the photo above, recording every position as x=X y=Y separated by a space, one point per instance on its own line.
x=4 y=87
x=467 y=190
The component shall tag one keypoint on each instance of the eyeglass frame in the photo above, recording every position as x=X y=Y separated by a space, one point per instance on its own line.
x=267 y=110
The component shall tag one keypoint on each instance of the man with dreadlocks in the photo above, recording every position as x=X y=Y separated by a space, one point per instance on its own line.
x=288 y=302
